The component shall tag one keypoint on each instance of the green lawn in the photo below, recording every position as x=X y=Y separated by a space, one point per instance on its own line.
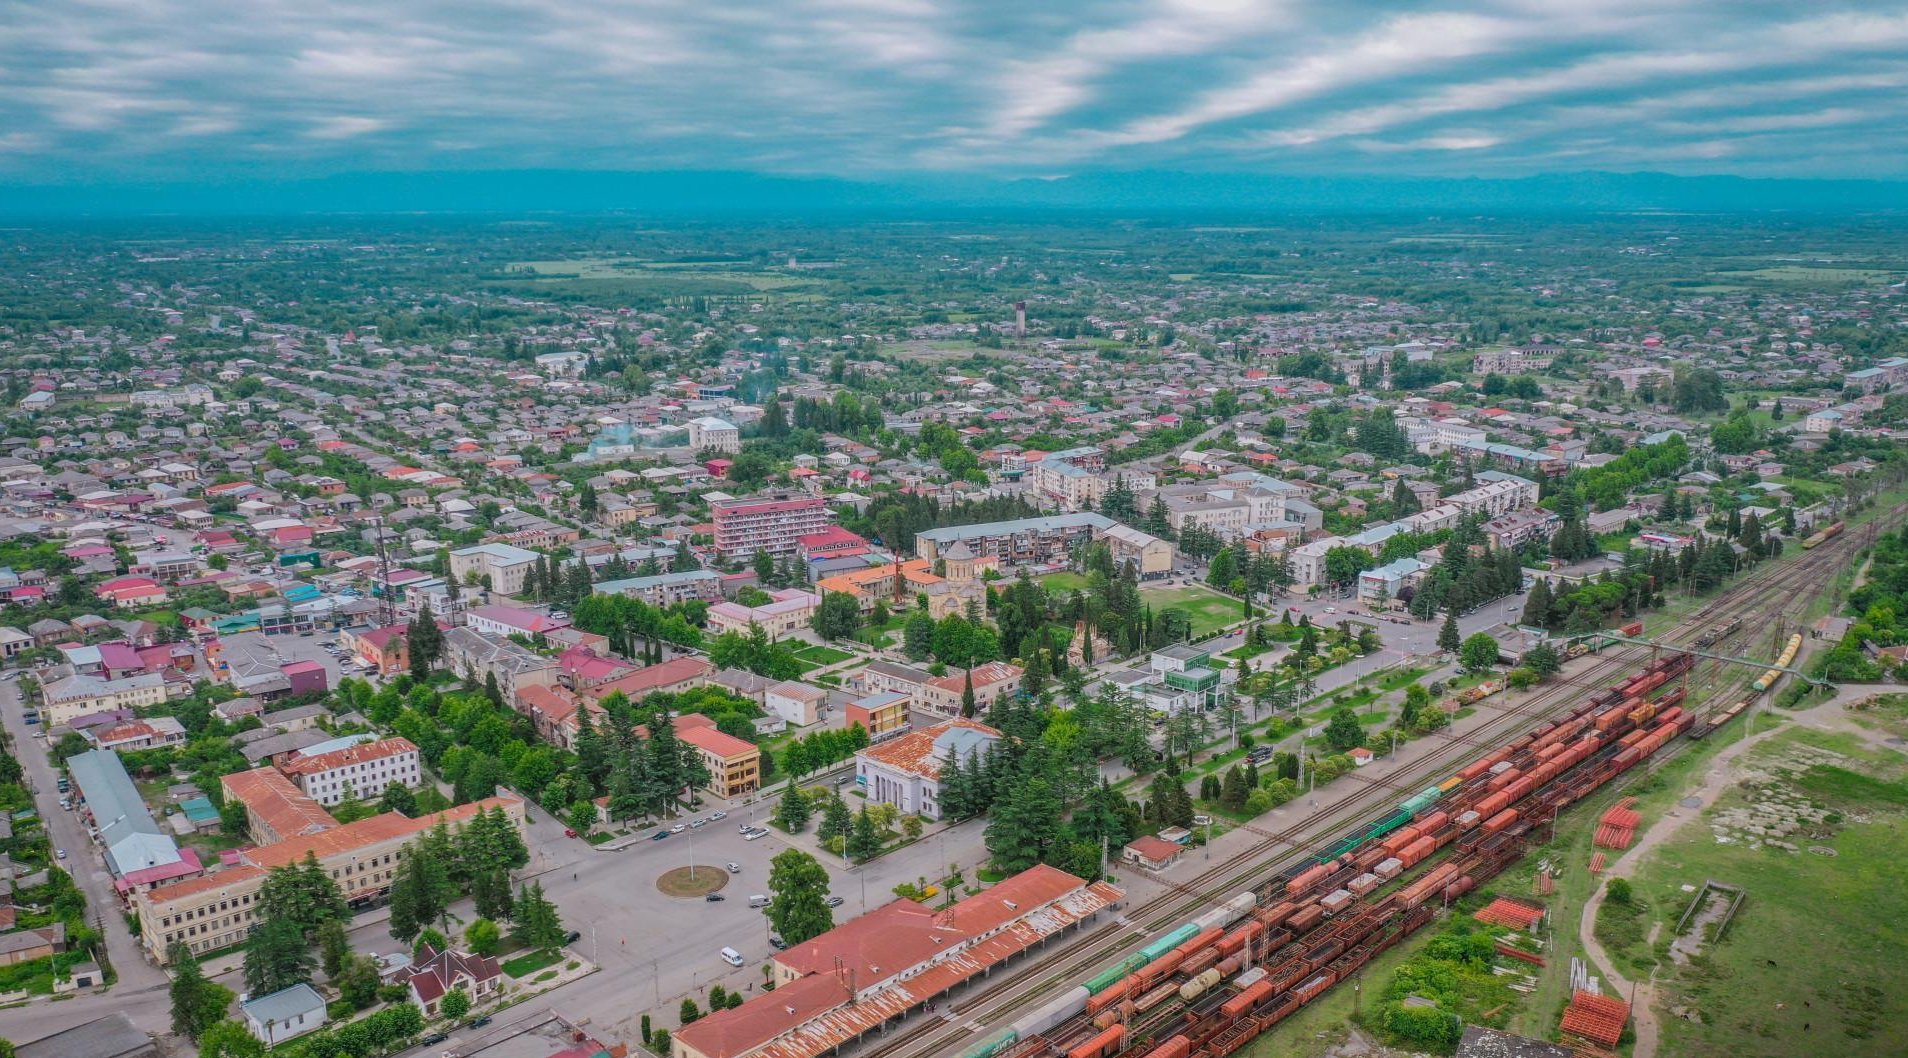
x=531 y=963
x=1824 y=932
x=820 y=656
x=1064 y=582
x=1209 y=610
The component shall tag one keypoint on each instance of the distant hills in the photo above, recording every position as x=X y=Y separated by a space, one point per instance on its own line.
x=714 y=194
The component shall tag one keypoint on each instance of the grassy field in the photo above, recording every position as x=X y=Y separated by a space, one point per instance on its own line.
x=821 y=655
x=1812 y=962
x=671 y=278
x=1816 y=275
x=1209 y=610
x=1064 y=582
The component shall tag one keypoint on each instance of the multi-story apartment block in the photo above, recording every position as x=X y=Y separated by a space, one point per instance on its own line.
x=219 y=910
x=1514 y=361
x=501 y=567
x=1031 y=541
x=665 y=589
x=357 y=772
x=743 y=527
x=78 y=695
x=1078 y=478
x=789 y=610
x=710 y=434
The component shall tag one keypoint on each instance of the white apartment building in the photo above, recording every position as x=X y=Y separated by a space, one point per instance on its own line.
x=501 y=566
x=354 y=772
x=709 y=433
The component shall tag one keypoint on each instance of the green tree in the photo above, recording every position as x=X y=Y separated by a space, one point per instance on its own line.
x=358 y=982
x=1479 y=652
x=1448 y=634
x=197 y=1004
x=838 y=616
x=398 y=797
x=455 y=1004
x=793 y=811
x=333 y=947
x=864 y=840
x=688 y=1013
x=1024 y=828
x=230 y=1039
x=1542 y=659
x=917 y=636
x=425 y=642
x=538 y=923
x=1537 y=605
x=836 y=820
x=277 y=957
x=798 y=901
x=420 y=891
x=1344 y=733
x=483 y=937
x=303 y=894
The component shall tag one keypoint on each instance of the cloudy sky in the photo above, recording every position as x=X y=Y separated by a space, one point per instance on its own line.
x=116 y=89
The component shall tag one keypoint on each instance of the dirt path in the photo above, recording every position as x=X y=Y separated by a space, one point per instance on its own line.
x=1717 y=777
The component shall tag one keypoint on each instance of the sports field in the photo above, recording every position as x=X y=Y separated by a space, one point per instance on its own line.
x=1209 y=610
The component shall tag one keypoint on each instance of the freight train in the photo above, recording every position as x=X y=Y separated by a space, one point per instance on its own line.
x=1210 y=985
x=1822 y=536
x=1769 y=678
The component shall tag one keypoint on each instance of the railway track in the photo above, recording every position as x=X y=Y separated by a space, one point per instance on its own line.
x=1003 y=995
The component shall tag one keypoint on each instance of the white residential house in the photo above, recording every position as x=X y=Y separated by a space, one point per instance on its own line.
x=798 y=703
x=285 y=1014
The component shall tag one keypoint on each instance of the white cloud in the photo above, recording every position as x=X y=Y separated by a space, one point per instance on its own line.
x=345 y=126
x=859 y=87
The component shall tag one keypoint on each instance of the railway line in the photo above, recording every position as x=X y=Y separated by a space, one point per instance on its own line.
x=1361 y=933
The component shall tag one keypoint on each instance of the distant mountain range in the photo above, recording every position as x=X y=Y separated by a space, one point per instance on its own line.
x=1148 y=192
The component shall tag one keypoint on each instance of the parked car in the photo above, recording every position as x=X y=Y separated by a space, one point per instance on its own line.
x=573 y=937
x=659 y=835
x=62 y=853
x=679 y=828
x=569 y=832
x=714 y=898
x=754 y=834
x=477 y=1023
x=435 y=1037
x=735 y=868
x=834 y=901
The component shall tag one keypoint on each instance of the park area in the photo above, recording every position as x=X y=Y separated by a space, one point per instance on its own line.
x=1209 y=610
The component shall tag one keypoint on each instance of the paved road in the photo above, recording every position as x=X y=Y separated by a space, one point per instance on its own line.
x=83 y=859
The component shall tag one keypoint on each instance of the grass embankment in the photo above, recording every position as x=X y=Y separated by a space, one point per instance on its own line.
x=1813 y=961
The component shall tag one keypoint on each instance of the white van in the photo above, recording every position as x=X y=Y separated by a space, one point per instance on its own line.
x=731 y=956
x=758 y=901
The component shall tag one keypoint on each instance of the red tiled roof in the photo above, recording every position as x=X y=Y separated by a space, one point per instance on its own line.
x=769 y=1029
x=643 y=681
x=721 y=744
x=913 y=752
x=984 y=675
x=438 y=972
x=368 y=751
x=268 y=794
x=1155 y=849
